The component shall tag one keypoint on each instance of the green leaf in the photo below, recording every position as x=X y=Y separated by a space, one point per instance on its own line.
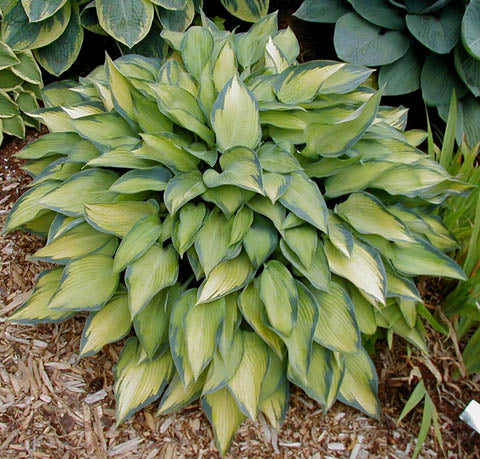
x=260 y=241
x=402 y=76
x=190 y=221
x=20 y=34
x=227 y=277
x=59 y=56
x=438 y=33
x=225 y=67
x=318 y=274
x=177 y=20
x=380 y=13
x=138 y=384
x=323 y=378
x=28 y=207
x=40 y=10
x=119 y=218
x=128 y=21
x=470 y=28
x=364 y=268
x=313 y=210
x=151 y=324
x=167 y=149
x=372 y=46
x=183 y=188
x=27 y=69
x=302 y=241
x=212 y=242
x=224 y=416
x=241 y=224
x=252 y=309
x=368 y=215
x=177 y=396
x=177 y=337
x=246 y=384
x=8 y=108
x=135 y=181
x=335 y=139
x=87 y=284
x=328 y=11
x=359 y=386
x=197 y=47
x=301 y=83
x=75 y=243
x=155 y=270
x=468 y=69
x=438 y=81
x=7 y=56
x=137 y=241
x=202 y=323
x=241 y=168
x=247 y=10
x=100 y=329
x=337 y=328
x=235 y=117
x=35 y=309
x=299 y=342
x=279 y=294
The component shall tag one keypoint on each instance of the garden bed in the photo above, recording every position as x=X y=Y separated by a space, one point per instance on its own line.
x=54 y=405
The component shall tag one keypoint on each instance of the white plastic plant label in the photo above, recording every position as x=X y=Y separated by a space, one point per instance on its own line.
x=471 y=415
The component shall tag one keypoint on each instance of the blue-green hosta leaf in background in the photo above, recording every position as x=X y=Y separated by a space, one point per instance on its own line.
x=244 y=217
x=373 y=47
x=398 y=36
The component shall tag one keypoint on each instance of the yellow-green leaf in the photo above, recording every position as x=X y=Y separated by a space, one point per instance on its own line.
x=87 y=284
x=155 y=270
x=100 y=329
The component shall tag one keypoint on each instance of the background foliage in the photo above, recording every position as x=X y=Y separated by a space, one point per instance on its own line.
x=430 y=45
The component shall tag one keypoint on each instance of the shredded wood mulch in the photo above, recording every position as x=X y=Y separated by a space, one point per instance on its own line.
x=54 y=405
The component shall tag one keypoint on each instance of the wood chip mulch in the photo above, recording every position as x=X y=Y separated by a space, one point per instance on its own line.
x=53 y=405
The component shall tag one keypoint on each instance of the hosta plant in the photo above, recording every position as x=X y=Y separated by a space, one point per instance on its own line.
x=427 y=44
x=243 y=218
x=54 y=29
x=20 y=84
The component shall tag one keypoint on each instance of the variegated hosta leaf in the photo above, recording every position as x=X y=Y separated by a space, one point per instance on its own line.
x=301 y=83
x=252 y=309
x=151 y=324
x=197 y=46
x=134 y=181
x=212 y=242
x=73 y=244
x=224 y=416
x=275 y=406
x=368 y=215
x=241 y=224
x=155 y=270
x=87 y=284
x=260 y=241
x=359 y=386
x=246 y=383
x=279 y=294
x=231 y=323
x=120 y=217
x=322 y=381
x=89 y=186
x=137 y=241
x=182 y=188
x=227 y=277
x=335 y=139
x=100 y=329
x=177 y=396
x=235 y=118
x=128 y=21
x=139 y=384
x=201 y=324
x=247 y=10
x=191 y=218
x=313 y=210
x=364 y=268
x=225 y=66
x=299 y=343
x=35 y=309
x=302 y=240
x=336 y=328
x=241 y=168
